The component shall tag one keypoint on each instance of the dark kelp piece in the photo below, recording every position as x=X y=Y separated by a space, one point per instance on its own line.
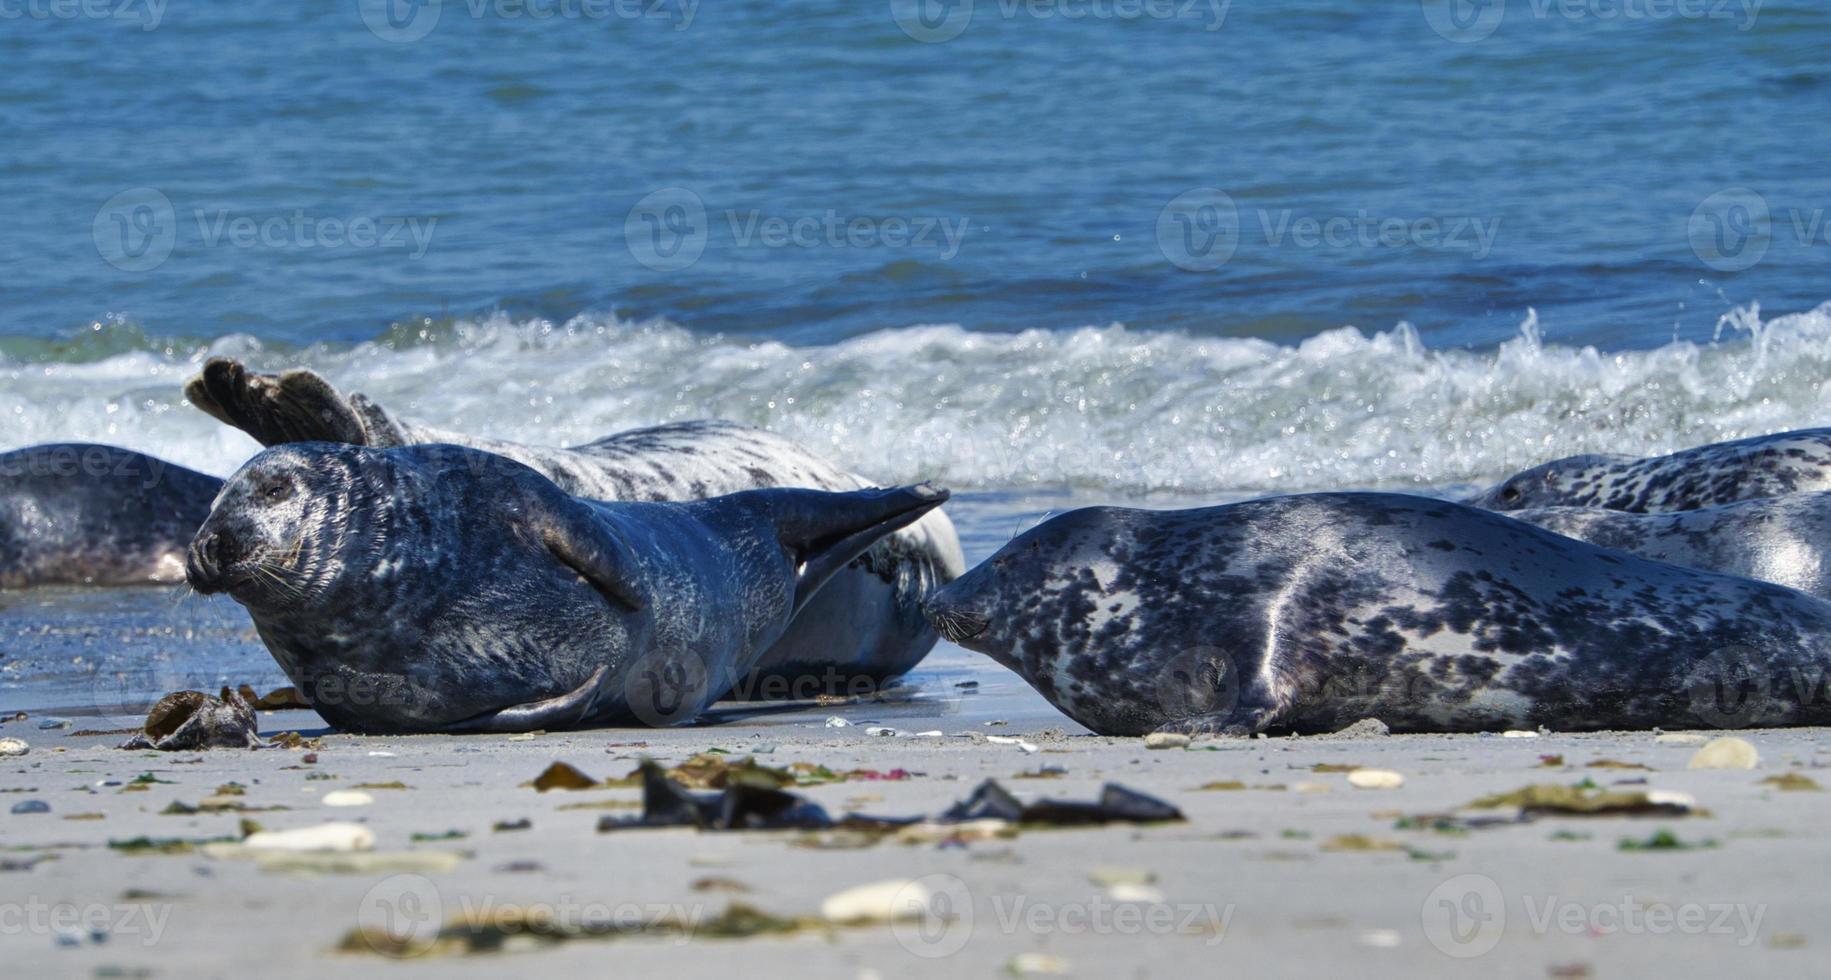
x=740 y=806
x=190 y=720
x=1115 y=805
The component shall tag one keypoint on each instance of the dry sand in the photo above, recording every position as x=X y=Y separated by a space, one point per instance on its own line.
x=1269 y=880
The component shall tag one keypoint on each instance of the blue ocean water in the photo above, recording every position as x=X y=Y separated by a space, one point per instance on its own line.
x=1137 y=244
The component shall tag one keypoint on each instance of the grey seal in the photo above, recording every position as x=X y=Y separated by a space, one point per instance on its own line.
x=1719 y=473
x=435 y=588
x=1785 y=540
x=1306 y=613
x=866 y=626
x=85 y=514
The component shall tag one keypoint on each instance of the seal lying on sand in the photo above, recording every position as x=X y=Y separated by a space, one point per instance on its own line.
x=867 y=624
x=1306 y=613
x=1720 y=473
x=442 y=589
x=1785 y=540
x=81 y=514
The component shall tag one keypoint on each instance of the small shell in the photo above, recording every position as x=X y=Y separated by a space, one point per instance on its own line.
x=1375 y=779
x=1727 y=752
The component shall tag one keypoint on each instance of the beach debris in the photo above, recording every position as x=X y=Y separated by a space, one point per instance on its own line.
x=1518 y=733
x=1727 y=752
x=1664 y=840
x=390 y=785
x=359 y=863
x=1587 y=800
x=1360 y=842
x=1375 y=779
x=186 y=721
x=882 y=730
x=380 y=754
x=931 y=733
x=717 y=883
x=837 y=722
x=882 y=901
x=347 y=797
x=1166 y=740
x=278 y=699
x=340 y=837
x=561 y=775
x=1036 y=965
x=144 y=845
x=1310 y=786
x=1334 y=767
x=1551 y=762
x=1365 y=728
x=1115 y=805
x=295 y=742
x=1026 y=747
x=425 y=838
x=31 y=806
x=716 y=770
x=52 y=724
x=510 y=826
x=1616 y=764
x=496 y=928
x=1380 y=938
x=1680 y=738
x=1110 y=876
x=743 y=805
x=1221 y=784
x=1042 y=772
x=1793 y=782
x=13 y=747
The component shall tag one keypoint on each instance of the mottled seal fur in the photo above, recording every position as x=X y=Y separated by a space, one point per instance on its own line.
x=1785 y=540
x=441 y=588
x=1306 y=613
x=1720 y=473
x=83 y=514
x=865 y=627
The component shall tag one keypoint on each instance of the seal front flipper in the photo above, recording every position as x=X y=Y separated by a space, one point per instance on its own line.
x=825 y=531
x=585 y=543
x=564 y=711
x=294 y=406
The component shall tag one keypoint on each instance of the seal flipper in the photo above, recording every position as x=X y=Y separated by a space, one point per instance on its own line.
x=825 y=531
x=564 y=711
x=295 y=406
x=581 y=540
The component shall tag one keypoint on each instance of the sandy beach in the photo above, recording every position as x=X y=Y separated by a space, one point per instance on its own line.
x=1294 y=873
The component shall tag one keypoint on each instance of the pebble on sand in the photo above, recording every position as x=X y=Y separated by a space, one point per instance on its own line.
x=347 y=797
x=31 y=806
x=1375 y=779
x=1166 y=740
x=323 y=837
x=882 y=901
x=10 y=747
x=1727 y=752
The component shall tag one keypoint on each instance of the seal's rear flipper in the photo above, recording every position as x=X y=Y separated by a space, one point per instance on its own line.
x=564 y=711
x=295 y=406
x=825 y=531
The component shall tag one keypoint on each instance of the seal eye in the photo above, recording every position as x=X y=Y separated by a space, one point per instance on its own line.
x=1510 y=494
x=274 y=491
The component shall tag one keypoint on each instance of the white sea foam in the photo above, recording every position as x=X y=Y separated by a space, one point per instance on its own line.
x=1100 y=408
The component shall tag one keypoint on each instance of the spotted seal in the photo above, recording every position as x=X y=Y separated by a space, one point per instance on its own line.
x=435 y=588
x=1306 y=613
x=1719 y=473
x=85 y=514
x=1785 y=540
x=865 y=627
